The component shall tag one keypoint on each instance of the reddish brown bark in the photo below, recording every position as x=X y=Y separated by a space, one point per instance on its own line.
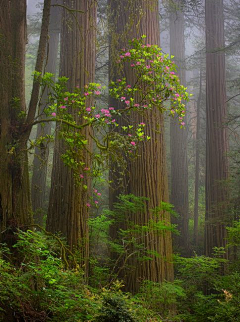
x=14 y=189
x=147 y=174
x=217 y=146
x=68 y=212
x=15 y=205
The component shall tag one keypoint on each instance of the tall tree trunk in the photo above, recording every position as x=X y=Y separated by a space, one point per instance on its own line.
x=40 y=163
x=216 y=143
x=197 y=162
x=68 y=212
x=15 y=205
x=178 y=136
x=147 y=174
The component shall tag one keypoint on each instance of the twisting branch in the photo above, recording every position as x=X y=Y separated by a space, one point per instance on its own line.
x=67 y=8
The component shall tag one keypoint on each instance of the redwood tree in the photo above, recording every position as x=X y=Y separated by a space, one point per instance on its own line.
x=216 y=143
x=15 y=124
x=178 y=136
x=68 y=212
x=147 y=176
x=40 y=163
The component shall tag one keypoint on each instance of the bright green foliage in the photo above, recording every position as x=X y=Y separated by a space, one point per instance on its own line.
x=234 y=234
x=39 y=287
x=127 y=242
x=161 y=297
x=156 y=83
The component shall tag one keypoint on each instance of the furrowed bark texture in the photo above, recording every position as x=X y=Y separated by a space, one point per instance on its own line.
x=216 y=143
x=15 y=209
x=15 y=205
x=68 y=212
x=178 y=136
x=147 y=173
x=40 y=163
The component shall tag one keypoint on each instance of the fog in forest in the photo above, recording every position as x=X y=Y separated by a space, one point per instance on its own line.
x=119 y=160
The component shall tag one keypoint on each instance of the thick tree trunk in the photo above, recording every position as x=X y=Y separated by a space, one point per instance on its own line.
x=178 y=136
x=40 y=163
x=216 y=144
x=147 y=174
x=68 y=212
x=15 y=128
x=15 y=209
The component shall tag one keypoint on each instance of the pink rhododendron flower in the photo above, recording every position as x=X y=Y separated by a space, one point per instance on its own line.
x=66 y=99
x=62 y=106
x=127 y=102
x=133 y=143
x=99 y=194
x=113 y=120
x=95 y=190
x=88 y=205
x=128 y=54
x=136 y=105
x=182 y=123
x=97 y=92
x=86 y=169
x=96 y=202
x=138 y=63
x=132 y=65
x=97 y=116
x=121 y=56
x=142 y=123
x=81 y=176
x=123 y=98
x=88 y=109
x=111 y=108
x=86 y=94
x=54 y=114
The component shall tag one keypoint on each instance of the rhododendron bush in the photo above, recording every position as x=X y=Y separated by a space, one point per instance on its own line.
x=155 y=85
